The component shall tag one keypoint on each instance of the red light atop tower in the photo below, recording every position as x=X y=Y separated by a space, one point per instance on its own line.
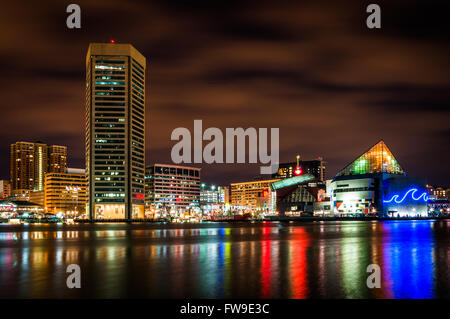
x=298 y=169
x=112 y=41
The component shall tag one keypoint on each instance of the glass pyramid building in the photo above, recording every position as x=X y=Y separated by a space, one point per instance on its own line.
x=378 y=159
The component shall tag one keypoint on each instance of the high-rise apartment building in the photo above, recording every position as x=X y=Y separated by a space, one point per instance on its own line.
x=40 y=165
x=31 y=161
x=115 y=131
x=57 y=159
x=22 y=166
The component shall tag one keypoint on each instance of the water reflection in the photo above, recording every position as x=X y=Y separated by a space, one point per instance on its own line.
x=269 y=260
x=408 y=254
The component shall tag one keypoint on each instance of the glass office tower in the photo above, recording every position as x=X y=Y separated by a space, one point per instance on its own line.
x=115 y=131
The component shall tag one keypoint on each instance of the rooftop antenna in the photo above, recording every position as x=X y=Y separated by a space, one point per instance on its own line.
x=298 y=170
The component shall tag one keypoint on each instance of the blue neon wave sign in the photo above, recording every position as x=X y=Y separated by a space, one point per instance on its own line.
x=411 y=191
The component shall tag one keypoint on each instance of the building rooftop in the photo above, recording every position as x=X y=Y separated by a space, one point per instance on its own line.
x=378 y=159
x=292 y=181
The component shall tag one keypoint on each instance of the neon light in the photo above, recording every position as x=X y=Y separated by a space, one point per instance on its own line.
x=412 y=191
x=292 y=181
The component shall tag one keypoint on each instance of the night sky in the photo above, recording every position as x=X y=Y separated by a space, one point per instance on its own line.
x=311 y=68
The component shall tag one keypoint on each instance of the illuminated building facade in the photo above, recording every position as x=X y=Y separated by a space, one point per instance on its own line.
x=115 y=131
x=439 y=207
x=13 y=208
x=30 y=162
x=66 y=192
x=40 y=165
x=20 y=194
x=313 y=167
x=438 y=192
x=375 y=184
x=254 y=196
x=171 y=188
x=57 y=158
x=224 y=194
x=37 y=197
x=209 y=195
x=22 y=166
x=214 y=198
x=5 y=189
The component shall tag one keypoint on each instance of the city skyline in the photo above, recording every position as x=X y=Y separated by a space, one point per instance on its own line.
x=256 y=67
x=224 y=159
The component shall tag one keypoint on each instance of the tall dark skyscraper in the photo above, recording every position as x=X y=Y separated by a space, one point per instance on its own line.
x=115 y=131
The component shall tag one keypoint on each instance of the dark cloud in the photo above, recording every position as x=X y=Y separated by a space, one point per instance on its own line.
x=311 y=68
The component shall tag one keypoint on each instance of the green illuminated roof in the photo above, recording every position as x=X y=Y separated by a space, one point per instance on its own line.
x=292 y=181
x=378 y=159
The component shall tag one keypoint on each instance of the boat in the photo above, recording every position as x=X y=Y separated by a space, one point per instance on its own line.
x=231 y=218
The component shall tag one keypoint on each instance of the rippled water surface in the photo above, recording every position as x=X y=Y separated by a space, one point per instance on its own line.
x=260 y=260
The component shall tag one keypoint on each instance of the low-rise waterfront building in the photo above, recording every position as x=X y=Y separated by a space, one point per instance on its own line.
x=214 y=198
x=66 y=193
x=13 y=208
x=376 y=184
x=37 y=197
x=297 y=196
x=171 y=189
x=20 y=194
x=439 y=207
x=438 y=192
x=5 y=189
x=252 y=197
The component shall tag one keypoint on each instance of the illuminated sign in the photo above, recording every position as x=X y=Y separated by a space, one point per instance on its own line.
x=412 y=191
